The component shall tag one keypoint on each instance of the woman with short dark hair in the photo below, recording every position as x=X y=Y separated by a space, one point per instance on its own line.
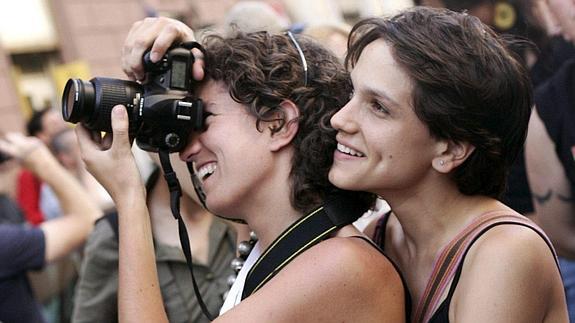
x=438 y=115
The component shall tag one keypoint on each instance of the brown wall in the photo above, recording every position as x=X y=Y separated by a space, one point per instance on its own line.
x=94 y=31
x=11 y=118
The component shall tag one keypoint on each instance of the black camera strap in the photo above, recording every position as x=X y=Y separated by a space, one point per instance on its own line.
x=339 y=210
x=175 y=194
x=202 y=196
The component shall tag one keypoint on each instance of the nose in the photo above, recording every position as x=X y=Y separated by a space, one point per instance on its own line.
x=192 y=148
x=343 y=119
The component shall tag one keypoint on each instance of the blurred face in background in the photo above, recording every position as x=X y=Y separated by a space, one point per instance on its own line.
x=52 y=123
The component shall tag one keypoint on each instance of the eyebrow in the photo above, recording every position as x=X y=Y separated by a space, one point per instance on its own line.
x=381 y=94
x=372 y=91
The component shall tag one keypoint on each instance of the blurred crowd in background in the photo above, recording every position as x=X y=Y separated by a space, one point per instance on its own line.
x=86 y=41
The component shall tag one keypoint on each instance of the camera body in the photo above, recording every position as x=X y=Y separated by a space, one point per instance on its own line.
x=162 y=110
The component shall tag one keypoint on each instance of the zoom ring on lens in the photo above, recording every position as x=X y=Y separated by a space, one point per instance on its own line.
x=109 y=94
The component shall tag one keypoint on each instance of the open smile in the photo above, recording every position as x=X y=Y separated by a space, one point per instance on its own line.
x=207 y=170
x=349 y=151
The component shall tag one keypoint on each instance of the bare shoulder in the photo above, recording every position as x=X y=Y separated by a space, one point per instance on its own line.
x=351 y=254
x=339 y=279
x=354 y=269
x=507 y=261
x=512 y=244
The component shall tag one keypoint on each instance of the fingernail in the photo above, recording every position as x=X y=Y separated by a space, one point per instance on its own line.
x=154 y=56
x=117 y=111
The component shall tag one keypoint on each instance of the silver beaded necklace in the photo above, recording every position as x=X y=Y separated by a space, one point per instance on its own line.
x=244 y=249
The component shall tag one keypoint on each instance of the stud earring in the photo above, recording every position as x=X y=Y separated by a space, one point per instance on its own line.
x=442 y=162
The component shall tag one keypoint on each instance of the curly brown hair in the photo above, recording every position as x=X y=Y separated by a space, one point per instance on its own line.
x=262 y=70
x=467 y=87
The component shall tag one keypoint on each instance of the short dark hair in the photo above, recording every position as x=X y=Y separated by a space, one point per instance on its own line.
x=58 y=144
x=34 y=124
x=262 y=70
x=467 y=87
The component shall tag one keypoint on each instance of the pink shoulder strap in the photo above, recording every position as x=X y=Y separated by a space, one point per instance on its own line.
x=448 y=260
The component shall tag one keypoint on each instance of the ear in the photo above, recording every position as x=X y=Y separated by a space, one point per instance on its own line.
x=285 y=135
x=451 y=154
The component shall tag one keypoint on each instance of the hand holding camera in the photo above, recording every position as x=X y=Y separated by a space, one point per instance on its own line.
x=162 y=109
x=160 y=112
x=158 y=35
x=110 y=159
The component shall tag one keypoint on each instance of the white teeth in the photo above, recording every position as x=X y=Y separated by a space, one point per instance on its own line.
x=349 y=151
x=207 y=170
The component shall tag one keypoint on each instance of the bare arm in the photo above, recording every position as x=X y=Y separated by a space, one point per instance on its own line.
x=553 y=199
x=68 y=232
x=139 y=296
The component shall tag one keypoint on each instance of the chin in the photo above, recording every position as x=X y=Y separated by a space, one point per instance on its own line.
x=341 y=180
x=222 y=208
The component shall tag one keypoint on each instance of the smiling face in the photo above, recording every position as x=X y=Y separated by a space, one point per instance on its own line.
x=231 y=155
x=382 y=145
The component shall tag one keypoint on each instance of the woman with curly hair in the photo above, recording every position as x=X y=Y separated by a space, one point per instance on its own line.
x=263 y=159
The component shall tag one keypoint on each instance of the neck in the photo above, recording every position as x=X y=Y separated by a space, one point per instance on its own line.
x=272 y=221
x=430 y=218
x=268 y=209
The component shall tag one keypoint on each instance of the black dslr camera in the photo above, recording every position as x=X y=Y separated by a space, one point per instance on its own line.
x=162 y=110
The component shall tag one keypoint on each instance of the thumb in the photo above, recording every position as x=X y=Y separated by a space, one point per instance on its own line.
x=120 y=124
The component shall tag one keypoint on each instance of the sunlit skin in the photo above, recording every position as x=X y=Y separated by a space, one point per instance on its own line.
x=241 y=168
x=250 y=180
x=396 y=148
x=385 y=149
x=229 y=156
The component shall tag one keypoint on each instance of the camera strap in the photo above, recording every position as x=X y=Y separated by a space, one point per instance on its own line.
x=202 y=196
x=338 y=211
x=175 y=194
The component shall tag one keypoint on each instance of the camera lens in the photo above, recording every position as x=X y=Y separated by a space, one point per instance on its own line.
x=77 y=100
x=91 y=102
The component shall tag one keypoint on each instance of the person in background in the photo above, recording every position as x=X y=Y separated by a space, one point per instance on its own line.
x=251 y=16
x=482 y=9
x=43 y=124
x=24 y=248
x=10 y=211
x=331 y=35
x=438 y=115
x=550 y=152
x=64 y=146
